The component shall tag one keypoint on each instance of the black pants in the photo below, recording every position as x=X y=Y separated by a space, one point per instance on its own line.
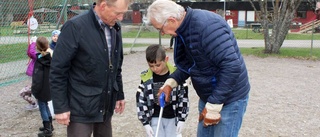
x=103 y=129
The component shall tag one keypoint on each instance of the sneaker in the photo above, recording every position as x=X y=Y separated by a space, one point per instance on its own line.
x=31 y=107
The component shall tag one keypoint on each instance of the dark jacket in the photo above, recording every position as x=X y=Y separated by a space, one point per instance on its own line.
x=207 y=51
x=40 y=78
x=53 y=45
x=83 y=79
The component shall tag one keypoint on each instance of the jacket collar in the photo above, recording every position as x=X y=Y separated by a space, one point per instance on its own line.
x=146 y=76
x=185 y=23
x=117 y=26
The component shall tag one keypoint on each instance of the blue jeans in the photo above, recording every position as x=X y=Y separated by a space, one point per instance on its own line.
x=167 y=127
x=230 y=123
x=44 y=110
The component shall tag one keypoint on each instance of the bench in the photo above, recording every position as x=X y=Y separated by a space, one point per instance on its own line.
x=256 y=27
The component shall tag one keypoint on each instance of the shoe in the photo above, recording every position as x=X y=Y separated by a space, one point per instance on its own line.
x=50 y=121
x=47 y=132
x=31 y=107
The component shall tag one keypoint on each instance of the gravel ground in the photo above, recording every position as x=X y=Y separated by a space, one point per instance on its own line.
x=284 y=102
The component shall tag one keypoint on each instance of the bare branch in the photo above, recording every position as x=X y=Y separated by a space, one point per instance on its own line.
x=254 y=7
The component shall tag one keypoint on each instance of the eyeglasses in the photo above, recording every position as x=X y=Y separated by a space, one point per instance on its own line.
x=119 y=13
x=161 y=29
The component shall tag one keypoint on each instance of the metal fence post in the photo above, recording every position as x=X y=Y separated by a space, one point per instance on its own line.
x=312 y=38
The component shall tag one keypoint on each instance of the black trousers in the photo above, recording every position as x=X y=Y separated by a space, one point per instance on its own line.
x=103 y=129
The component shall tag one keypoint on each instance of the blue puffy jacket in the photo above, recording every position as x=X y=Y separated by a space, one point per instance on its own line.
x=207 y=51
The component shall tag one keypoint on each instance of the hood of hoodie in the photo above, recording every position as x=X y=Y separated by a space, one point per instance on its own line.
x=44 y=60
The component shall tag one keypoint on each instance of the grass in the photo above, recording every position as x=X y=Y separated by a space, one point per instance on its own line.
x=239 y=33
x=127 y=45
x=15 y=52
x=249 y=34
x=298 y=53
x=143 y=34
x=8 y=31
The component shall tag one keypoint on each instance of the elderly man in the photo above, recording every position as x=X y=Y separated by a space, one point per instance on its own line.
x=206 y=51
x=85 y=78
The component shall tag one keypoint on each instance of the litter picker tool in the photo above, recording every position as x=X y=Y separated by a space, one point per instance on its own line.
x=162 y=103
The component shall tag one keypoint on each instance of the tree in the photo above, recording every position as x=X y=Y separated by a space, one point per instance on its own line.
x=278 y=17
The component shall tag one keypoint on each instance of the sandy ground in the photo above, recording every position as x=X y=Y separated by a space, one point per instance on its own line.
x=284 y=101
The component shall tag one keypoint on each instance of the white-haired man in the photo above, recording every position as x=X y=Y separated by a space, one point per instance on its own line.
x=206 y=51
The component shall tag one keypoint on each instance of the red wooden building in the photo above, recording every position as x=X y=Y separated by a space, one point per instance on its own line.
x=241 y=13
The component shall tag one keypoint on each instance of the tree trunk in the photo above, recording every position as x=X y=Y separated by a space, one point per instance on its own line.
x=279 y=23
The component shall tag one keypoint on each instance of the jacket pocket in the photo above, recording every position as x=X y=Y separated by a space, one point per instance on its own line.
x=115 y=86
x=85 y=100
x=94 y=71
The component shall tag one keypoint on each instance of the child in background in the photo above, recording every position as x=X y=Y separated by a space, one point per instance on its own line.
x=54 y=36
x=175 y=112
x=40 y=84
x=25 y=92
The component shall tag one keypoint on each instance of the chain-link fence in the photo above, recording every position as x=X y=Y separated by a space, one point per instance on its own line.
x=22 y=19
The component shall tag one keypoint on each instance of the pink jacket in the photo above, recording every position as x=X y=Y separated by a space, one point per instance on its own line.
x=31 y=52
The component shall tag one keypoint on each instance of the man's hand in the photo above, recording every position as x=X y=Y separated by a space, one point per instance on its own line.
x=167 y=88
x=149 y=130
x=120 y=105
x=180 y=126
x=211 y=114
x=63 y=118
